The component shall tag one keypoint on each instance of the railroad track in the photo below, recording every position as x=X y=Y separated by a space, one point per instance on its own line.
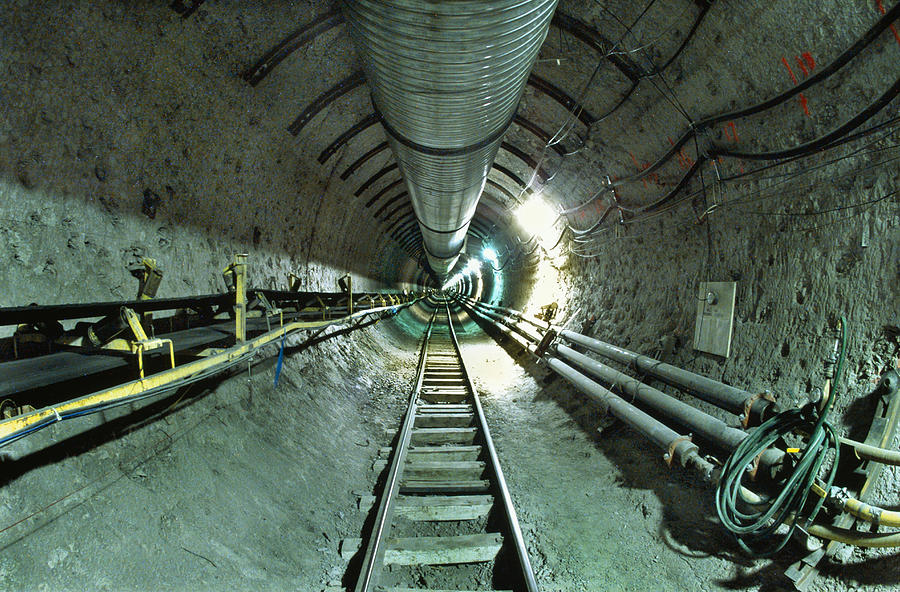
x=445 y=521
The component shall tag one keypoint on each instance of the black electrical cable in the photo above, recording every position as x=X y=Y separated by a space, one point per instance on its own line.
x=690 y=34
x=589 y=235
x=658 y=69
x=818 y=144
x=821 y=142
x=883 y=23
x=596 y=225
x=879 y=27
x=676 y=232
x=852 y=137
x=825 y=211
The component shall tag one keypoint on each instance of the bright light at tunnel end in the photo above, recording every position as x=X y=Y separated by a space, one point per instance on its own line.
x=472 y=267
x=490 y=256
x=536 y=217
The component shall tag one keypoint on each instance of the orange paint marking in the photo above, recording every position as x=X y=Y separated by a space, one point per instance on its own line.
x=803 y=100
x=892 y=27
x=805 y=103
x=810 y=62
x=802 y=65
x=788 y=66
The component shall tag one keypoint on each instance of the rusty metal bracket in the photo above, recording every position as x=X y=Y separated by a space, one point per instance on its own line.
x=748 y=405
x=670 y=455
x=542 y=347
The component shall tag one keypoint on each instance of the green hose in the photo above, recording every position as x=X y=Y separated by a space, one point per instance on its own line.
x=755 y=527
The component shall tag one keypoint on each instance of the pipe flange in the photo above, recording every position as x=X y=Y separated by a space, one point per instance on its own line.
x=748 y=404
x=549 y=337
x=670 y=455
x=753 y=469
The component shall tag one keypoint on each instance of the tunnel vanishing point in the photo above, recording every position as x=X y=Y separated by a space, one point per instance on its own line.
x=450 y=295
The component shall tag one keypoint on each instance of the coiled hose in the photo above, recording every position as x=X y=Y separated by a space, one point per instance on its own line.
x=755 y=522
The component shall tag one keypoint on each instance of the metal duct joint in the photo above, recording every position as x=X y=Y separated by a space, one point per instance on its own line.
x=446 y=78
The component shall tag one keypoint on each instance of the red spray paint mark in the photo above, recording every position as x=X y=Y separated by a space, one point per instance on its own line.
x=731 y=132
x=810 y=62
x=682 y=162
x=637 y=164
x=788 y=66
x=653 y=178
x=892 y=27
x=807 y=63
x=733 y=136
x=803 y=101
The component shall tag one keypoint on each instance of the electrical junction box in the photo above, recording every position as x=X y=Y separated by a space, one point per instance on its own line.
x=715 y=317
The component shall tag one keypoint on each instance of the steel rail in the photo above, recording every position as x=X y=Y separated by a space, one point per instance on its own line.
x=444 y=345
x=372 y=560
x=511 y=517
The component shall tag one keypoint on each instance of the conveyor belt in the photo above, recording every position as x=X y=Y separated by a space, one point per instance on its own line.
x=445 y=504
x=19 y=376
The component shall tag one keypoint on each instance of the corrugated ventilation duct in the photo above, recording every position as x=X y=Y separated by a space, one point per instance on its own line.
x=446 y=77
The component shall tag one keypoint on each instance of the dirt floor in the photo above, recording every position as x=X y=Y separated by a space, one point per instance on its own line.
x=244 y=486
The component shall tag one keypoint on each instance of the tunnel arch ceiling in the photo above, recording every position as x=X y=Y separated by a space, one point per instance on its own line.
x=628 y=151
x=336 y=123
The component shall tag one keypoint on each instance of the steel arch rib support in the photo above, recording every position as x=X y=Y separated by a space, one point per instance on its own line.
x=538 y=132
x=389 y=203
x=346 y=137
x=561 y=97
x=384 y=190
x=291 y=43
x=506 y=192
x=590 y=37
x=516 y=178
x=408 y=232
x=353 y=81
x=400 y=226
x=394 y=224
x=374 y=178
x=361 y=160
x=395 y=211
x=524 y=157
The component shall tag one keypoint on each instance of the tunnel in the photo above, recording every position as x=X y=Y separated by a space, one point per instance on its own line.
x=661 y=239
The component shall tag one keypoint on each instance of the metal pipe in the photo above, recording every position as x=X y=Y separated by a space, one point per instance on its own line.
x=754 y=407
x=727 y=397
x=513 y=324
x=677 y=446
x=708 y=427
x=446 y=79
x=703 y=424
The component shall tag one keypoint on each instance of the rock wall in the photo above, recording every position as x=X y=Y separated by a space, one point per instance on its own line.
x=128 y=131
